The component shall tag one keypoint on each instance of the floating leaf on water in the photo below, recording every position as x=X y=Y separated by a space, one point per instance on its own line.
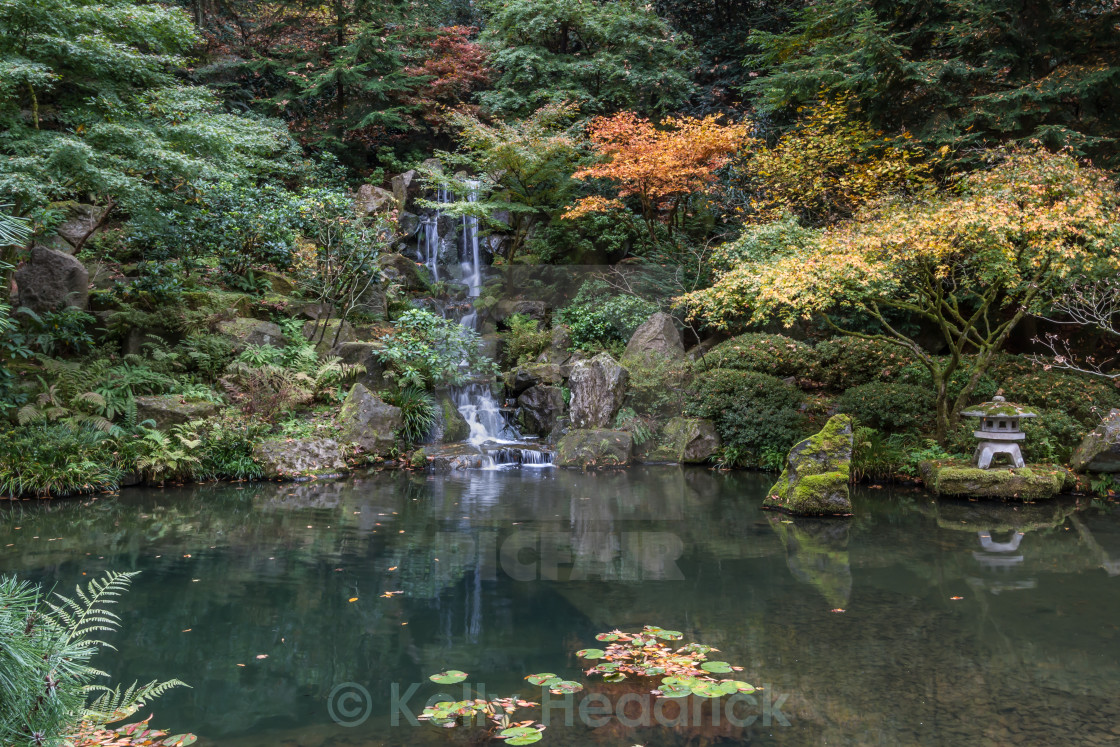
x=544 y=678
x=614 y=677
x=564 y=687
x=735 y=686
x=179 y=740
x=519 y=735
x=450 y=677
x=708 y=689
x=654 y=671
x=607 y=637
x=591 y=653
x=716 y=667
x=608 y=666
x=674 y=691
x=681 y=681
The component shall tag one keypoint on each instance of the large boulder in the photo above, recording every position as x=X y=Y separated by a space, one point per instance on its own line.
x=243 y=332
x=1100 y=450
x=598 y=388
x=406 y=187
x=403 y=271
x=815 y=480
x=171 y=409
x=50 y=279
x=368 y=421
x=657 y=337
x=966 y=481
x=371 y=199
x=364 y=354
x=450 y=426
x=524 y=377
x=291 y=459
x=539 y=407
x=594 y=448
x=686 y=441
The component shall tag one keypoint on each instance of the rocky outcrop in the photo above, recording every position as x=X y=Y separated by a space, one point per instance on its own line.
x=171 y=409
x=686 y=441
x=964 y=480
x=524 y=377
x=539 y=407
x=243 y=332
x=657 y=337
x=329 y=336
x=406 y=187
x=815 y=480
x=50 y=279
x=1100 y=450
x=598 y=388
x=291 y=459
x=594 y=448
x=401 y=270
x=363 y=353
x=368 y=421
x=371 y=199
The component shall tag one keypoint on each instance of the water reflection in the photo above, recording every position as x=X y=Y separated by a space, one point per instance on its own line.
x=505 y=573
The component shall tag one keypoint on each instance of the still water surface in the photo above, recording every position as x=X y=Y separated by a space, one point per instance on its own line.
x=853 y=626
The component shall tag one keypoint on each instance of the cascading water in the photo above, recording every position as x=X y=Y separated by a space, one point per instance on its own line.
x=491 y=434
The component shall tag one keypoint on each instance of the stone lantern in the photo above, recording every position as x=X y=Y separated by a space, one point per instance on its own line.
x=999 y=431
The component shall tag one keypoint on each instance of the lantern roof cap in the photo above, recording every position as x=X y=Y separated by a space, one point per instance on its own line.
x=999 y=408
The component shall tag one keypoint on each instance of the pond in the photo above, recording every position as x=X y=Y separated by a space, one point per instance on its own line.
x=916 y=621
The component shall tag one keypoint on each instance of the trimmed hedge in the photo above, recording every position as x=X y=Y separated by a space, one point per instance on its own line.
x=776 y=355
x=846 y=362
x=890 y=406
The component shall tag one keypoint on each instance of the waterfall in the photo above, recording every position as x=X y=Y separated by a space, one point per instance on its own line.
x=472 y=264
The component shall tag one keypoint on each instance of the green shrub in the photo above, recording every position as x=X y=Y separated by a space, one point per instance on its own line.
x=599 y=316
x=1085 y=398
x=875 y=455
x=427 y=350
x=524 y=339
x=658 y=386
x=418 y=411
x=846 y=362
x=776 y=355
x=890 y=406
x=227 y=447
x=755 y=414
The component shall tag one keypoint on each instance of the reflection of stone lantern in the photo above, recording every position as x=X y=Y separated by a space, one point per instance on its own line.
x=999 y=431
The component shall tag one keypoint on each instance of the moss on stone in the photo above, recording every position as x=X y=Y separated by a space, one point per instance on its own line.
x=815 y=480
x=1031 y=483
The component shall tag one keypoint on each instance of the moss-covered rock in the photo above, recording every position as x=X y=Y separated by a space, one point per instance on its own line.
x=451 y=424
x=368 y=421
x=686 y=441
x=594 y=448
x=1031 y=483
x=171 y=409
x=815 y=480
x=290 y=459
x=1100 y=450
x=328 y=337
x=243 y=332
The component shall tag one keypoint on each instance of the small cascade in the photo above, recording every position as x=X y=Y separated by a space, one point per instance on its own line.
x=472 y=263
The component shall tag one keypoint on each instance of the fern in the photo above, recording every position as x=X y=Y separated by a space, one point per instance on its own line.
x=86 y=613
x=116 y=704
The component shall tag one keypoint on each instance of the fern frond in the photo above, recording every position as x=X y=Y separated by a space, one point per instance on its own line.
x=117 y=704
x=87 y=612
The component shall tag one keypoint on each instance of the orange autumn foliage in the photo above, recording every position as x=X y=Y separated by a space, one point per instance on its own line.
x=659 y=166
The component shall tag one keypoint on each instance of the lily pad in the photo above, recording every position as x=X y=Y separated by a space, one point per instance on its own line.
x=735 y=686
x=708 y=689
x=520 y=735
x=608 y=637
x=591 y=653
x=665 y=635
x=450 y=677
x=544 y=678
x=716 y=667
x=564 y=687
x=675 y=691
x=614 y=677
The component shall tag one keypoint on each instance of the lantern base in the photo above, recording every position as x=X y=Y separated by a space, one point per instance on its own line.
x=985 y=450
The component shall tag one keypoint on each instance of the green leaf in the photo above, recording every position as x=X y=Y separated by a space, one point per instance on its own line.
x=591 y=653
x=520 y=735
x=544 y=678
x=716 y=667
x=564 y=687
x=708 y=689
x=675 y=691
x=450 y=677
x=614 y=677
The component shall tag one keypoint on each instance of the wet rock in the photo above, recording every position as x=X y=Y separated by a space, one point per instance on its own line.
x=594 y=448
x=598 y=388
x=557 y=351
x=687 y=441
x=171 y=409
x=50 y=279
x=293 y=459
x=815 y=480
x=1021 y=483
x=406 y=187
x=525 y=377
x=363 y=353
x=1100 y=450
x=243 y=332
x=399 y=269
x=540 y=407
x=657 y=337
x=450 y=426
x=368 y=421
